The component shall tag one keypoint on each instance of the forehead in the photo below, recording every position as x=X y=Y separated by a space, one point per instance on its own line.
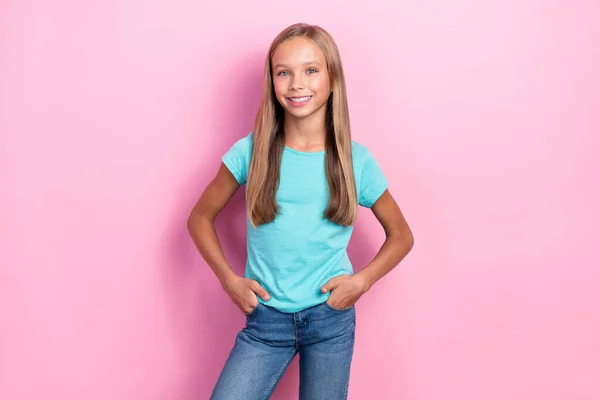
x=297 y=51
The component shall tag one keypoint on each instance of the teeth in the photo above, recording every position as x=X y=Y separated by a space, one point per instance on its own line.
x=300 y=99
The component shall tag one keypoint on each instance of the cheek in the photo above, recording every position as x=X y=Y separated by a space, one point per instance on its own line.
x=320 y=84
x=279 y=86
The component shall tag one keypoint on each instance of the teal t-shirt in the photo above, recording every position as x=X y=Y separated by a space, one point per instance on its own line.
x=293 y=256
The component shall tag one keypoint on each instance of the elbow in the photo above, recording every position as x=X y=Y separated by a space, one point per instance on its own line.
x=192 y=222
x=403 y=238
x=196 y=219
x=410 y=241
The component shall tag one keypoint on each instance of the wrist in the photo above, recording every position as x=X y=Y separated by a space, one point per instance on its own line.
x=364 y=281
x=227 y=277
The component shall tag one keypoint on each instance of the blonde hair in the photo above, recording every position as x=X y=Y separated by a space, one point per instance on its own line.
x=268 y=138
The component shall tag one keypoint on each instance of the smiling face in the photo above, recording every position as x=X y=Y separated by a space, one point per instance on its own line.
x=300 y=79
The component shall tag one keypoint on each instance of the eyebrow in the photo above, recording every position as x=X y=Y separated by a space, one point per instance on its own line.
x=306 y=63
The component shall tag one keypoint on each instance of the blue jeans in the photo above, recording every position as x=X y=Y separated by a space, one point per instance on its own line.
x=265 y=347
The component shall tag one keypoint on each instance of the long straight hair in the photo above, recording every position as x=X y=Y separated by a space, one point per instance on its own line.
x=268 y=138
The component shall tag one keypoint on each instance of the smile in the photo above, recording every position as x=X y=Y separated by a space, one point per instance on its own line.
x=298 y=101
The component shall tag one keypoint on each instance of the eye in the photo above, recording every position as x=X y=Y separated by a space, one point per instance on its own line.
x=312 y=69
x=281 y=72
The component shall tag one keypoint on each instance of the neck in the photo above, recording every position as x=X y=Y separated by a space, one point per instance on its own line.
x=305 y=134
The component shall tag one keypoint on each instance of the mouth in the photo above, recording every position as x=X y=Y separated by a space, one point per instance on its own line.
x=298 y=101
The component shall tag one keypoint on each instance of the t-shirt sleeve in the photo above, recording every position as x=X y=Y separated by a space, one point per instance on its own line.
x=373 y=182
x=237 y=159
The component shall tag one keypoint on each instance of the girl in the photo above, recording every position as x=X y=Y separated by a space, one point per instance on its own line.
x=304 y=179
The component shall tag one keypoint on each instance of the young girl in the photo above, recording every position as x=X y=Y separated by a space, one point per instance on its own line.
x=304 y=180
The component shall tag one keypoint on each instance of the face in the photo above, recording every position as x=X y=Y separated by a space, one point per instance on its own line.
x=300 y=79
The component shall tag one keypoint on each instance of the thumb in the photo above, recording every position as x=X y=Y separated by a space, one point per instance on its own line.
x=259 y=290
x=331 y=284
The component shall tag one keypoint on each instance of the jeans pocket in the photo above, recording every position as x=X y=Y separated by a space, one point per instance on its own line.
x=253 y=310
x=338 y=309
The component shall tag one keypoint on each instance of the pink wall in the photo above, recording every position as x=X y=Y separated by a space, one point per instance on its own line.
x=114 y=116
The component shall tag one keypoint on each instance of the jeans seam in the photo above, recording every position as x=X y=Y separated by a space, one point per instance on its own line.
x=351 y=356
x=278 y=375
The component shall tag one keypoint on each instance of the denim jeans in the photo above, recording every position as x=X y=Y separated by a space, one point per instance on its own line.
x=265 y=347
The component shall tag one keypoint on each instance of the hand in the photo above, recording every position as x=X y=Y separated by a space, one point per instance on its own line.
x=243 y=292
x=348 y=289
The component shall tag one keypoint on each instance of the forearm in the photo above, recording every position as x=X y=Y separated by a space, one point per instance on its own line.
x=393 y=250
x=204 y=235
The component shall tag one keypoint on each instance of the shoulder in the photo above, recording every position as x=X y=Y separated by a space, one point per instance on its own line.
x=245 y=142
x=363 y=161
x=237 y=158
x=241 y=147
x=370 y=179
x=360 y=153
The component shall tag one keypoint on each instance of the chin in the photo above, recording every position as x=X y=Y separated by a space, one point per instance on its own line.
x=300 y=113
x=300 y=116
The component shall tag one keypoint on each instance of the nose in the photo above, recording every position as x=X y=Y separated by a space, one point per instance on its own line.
x=297 y=82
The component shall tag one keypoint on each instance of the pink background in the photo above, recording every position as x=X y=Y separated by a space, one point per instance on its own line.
x=484 y=116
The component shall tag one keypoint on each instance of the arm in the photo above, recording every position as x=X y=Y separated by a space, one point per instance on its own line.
x=201 y=221
x=399 y=241
x=202 y=230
